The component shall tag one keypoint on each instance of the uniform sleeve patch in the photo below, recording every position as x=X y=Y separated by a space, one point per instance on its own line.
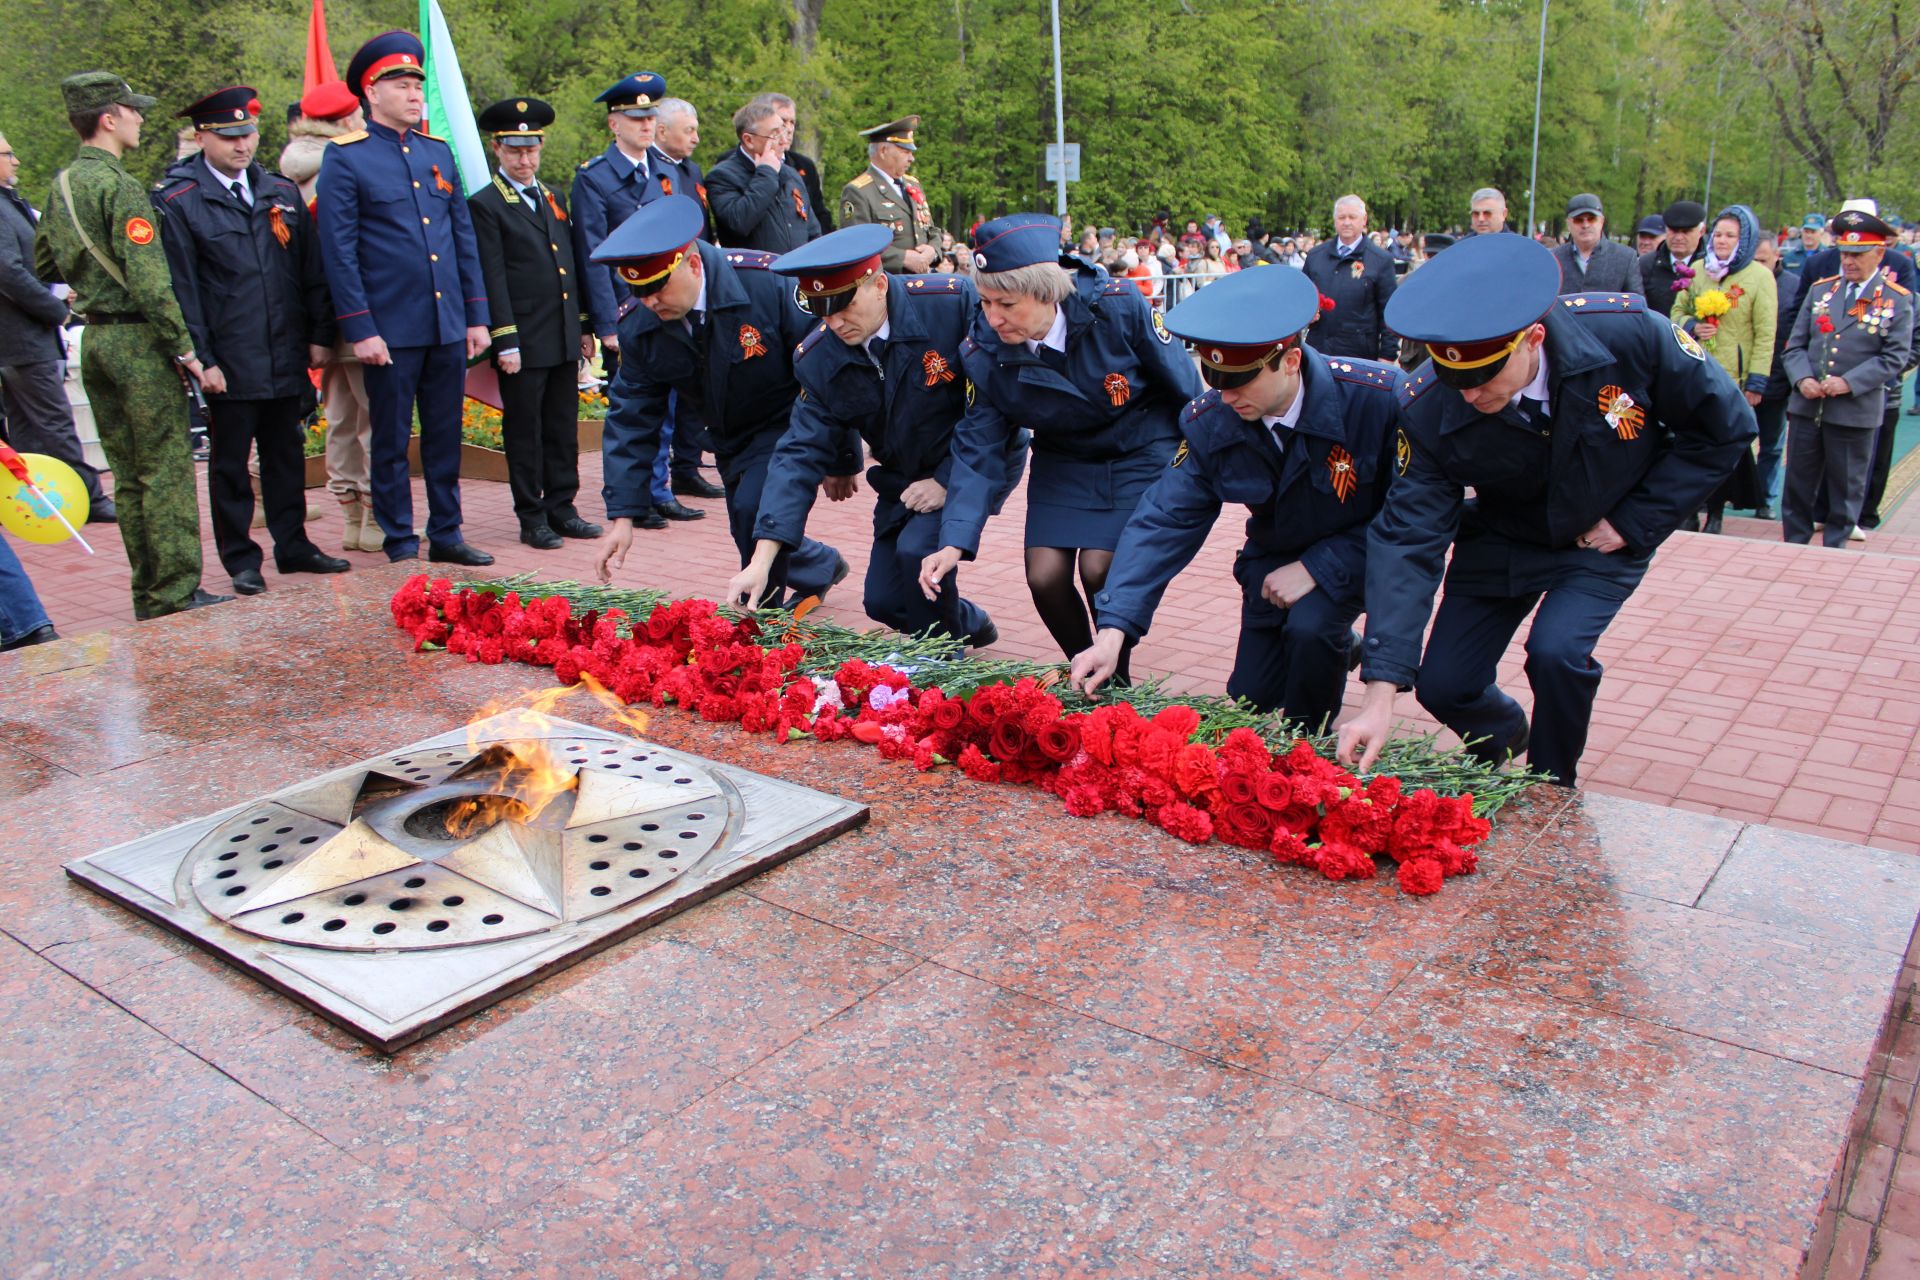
x=139 y=230
x=1160 y=328
x=1402 y=451
x=970 y=393
x=1685 y=342
x=1180 y=454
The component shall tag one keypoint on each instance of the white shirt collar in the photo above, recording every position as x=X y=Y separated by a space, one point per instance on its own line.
x=1056 y=334
x=699 y=311
x=226 y=183
x=1537 y=389
x=1342 y=248
x=1289 y=419
x=521 y=187
x=881 y=334
x=642 y=163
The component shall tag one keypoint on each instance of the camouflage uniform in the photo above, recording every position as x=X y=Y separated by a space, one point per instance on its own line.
x=128 y=368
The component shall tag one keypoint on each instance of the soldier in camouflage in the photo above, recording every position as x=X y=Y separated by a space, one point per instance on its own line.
x=99 y=235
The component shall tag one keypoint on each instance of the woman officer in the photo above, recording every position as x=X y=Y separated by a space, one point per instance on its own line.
x=1085 y=364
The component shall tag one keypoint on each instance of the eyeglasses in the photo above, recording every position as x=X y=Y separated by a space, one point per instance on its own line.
x=8 y=154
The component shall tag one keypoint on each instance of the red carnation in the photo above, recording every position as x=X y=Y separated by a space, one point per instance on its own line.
x=976 y=765
x=1179 y=720
x=1338 y=861
x=1421 y=876
x=1289 y=850
x=1185 y=821
x=1083 y=801
x=492 y=652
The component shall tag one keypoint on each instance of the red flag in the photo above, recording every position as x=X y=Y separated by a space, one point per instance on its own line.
x=319 y=57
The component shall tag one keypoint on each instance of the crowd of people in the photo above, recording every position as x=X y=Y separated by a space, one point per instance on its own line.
x=1590 y=397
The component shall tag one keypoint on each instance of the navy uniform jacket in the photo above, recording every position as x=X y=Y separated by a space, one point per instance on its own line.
x=396 y=240
x=606 y=189
x=1312 y=503
x=526 y=258
x=252 y=303
x=759 y=206
x=906 y=417
x=1125 y=383
x=1354 y=327
x=743 y=388
x=1540 y=487
x=680 y=178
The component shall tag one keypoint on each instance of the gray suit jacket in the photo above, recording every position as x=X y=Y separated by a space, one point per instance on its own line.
x=1868 y=350
x=1614 y=268
x=29 y=315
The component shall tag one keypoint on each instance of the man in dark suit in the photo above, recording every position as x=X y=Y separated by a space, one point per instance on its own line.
x=246 y=270
x=758 y=200
x=1589 y=262
x=806 y=166
x=1666 y=270
x=676 y=137
x=33 y=358
x=1357 y=275
x=538 y=311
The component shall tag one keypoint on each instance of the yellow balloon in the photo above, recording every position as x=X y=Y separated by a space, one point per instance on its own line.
x=26 y=517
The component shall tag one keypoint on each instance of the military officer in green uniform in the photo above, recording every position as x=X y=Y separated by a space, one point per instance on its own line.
x=884 y=194
x=99 y=235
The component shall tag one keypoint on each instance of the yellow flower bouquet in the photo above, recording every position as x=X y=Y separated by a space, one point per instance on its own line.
x=1712 y=304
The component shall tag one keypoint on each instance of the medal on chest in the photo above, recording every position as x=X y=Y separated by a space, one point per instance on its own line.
x=1340 y=472
x=1359 y=268
x=1622 y=414
x=1117 y=388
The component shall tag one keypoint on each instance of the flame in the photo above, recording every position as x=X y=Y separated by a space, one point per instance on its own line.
x=522 y=765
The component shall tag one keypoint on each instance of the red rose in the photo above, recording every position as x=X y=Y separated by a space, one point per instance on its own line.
x=1008 y=739
x=1059 y=741
x=949 y=714
x=1239 y=787
x=1275 y=791
x=1246 y=825
x=1421 y=876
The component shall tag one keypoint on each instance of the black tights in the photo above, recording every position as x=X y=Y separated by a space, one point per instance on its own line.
x=1061 y=605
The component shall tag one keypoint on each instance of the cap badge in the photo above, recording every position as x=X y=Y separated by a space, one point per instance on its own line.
x=1217 y=356
x=520 y=106
x=1453 y=355
x=980 y=261
x=818 y=286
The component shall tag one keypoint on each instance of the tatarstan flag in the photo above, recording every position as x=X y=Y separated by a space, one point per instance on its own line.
x=449 y=113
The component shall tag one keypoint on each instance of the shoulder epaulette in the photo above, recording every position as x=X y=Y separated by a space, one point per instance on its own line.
x=811 y=341
x=934 y=282
x=1369 y=373
x=591 y=161
x=751 y=259
x=968 y=346
x=430 y=137
x=864 y=179
x=1415 y=384
x=1113 y=288
x=284 y=180
x=1899 y=288
x=179 y=188
x=1198 y=406
x=358 y=135
x=1603 y=303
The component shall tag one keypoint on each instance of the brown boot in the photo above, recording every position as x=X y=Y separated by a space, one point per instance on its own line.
x=371 y=536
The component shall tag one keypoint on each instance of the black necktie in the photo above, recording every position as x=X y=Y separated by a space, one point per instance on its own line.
x=877 y=353
x=533 y=200
x=1054 y=360
x=697 y=323
x=239 y=191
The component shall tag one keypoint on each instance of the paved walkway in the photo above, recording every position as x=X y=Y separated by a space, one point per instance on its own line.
x=1748 y=679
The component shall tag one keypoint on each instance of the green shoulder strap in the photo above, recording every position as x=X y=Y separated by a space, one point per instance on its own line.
x=106 y=263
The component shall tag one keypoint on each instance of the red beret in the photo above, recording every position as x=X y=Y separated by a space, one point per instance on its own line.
x=329 y=101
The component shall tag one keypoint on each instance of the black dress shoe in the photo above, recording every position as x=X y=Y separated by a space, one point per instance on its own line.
x=651 y=520
x=673 y=510
x=247 y=582
x=201 y=598
x=540 y=538
x=102 y=512
x=39 y=635
x=696 y=486
x=1715 y=525
x=458 y=553
x=1765 y=513
x=986 y=635
x=315 y=561
x=575 y=527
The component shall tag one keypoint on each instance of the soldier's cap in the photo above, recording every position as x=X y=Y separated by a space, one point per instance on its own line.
x=1473 y=304
x=517 y=122
x=1652 y=225
x=1682 y=214
x=1814 y=222
x=1856 y=231
x=637 y=97
x=1016 y=240
x=898 y=132
x=391 y=53
x=826 y=272
x=92 y=90
x=232 y=112
x=1239 y=322
x=1435 y=241
x=1585 y=202
x=330 y=101
x=652 y=243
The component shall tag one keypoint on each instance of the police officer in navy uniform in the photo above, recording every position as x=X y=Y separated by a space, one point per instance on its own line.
x=407 y=291
x=718 y=329
x=632 y=172
x=1306 y=442
x=1085 y=364
x=884 y=364
x=246 y=270
x=538 y=310
x=1588 y=428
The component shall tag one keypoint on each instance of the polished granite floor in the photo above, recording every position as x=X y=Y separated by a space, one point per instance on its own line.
x=975 y=1037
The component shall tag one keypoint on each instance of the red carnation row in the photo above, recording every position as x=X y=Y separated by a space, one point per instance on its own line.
x=1296 y=805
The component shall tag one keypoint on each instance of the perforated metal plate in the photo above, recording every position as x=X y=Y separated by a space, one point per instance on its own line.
x=350 y=894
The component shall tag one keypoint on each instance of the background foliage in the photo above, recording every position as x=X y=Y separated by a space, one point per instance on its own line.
x=1269 y=107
